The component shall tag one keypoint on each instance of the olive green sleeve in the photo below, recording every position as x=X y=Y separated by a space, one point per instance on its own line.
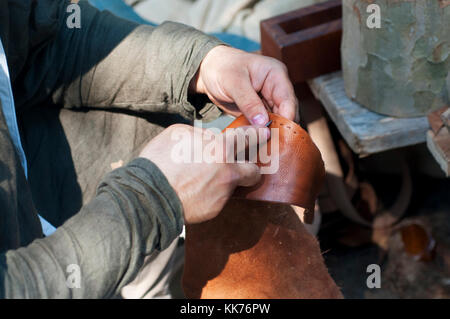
x=114 y=63
x=134 y=212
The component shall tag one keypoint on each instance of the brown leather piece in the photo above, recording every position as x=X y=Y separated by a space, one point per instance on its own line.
x=301 y=170
x=255 y=250
x=259 y=248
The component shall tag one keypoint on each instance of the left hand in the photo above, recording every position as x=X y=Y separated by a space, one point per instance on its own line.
x=240 y=82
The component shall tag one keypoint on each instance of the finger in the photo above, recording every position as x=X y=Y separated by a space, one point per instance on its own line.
x=238 y=140
x=253 y=136
x=248 y=101
x=279 y=90
x=289 y=110
x=249 y=174
x=297 y=114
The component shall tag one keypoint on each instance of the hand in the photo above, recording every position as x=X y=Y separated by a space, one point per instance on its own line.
x=237 y=82
x=203 y=188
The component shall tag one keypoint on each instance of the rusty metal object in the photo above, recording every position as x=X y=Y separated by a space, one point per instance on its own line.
x=418 y=242
x=436 y=119
x=438 y=138
x=445 y=117
x=372 y=56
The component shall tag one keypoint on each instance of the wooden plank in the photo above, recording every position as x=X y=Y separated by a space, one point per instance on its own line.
x=307 y=40
x=366 y=132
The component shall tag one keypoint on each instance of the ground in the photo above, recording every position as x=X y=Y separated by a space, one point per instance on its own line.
x=401 y=275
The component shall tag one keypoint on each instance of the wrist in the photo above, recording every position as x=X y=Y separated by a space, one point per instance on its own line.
x=194 y=85
x=197 y=85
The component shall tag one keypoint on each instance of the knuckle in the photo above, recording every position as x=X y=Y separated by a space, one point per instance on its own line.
x=277 y=64
x=251 y=106
x=174 y=127
x=254 y=170
x=281 y=65
x=229 y=175
x=216 y=209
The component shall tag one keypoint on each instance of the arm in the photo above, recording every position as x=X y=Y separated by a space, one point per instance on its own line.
x=135 y=211
x=114 y=63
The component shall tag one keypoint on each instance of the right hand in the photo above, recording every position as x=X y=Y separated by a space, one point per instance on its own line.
x=203 y=188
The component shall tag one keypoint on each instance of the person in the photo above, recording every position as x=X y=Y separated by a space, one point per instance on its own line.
x=95 y=98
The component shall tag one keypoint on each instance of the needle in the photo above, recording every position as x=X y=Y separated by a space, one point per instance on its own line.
x=268 y=123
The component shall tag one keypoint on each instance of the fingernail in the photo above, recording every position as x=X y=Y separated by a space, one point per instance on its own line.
x=259 y=120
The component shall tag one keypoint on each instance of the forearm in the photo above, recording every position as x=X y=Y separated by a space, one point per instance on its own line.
x=114 y=63
x=107 y=63
x=135 y=212
x=149 y=71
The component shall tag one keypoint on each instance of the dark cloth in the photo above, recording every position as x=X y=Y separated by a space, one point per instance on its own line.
x=109 y=64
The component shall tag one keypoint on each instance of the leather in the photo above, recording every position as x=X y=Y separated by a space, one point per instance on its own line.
x=258 y=247
x=255 y=250
x=301 y=170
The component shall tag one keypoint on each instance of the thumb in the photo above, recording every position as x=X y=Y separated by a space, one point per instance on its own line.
x=242 y=140
x=249 y=103
x=249 y=174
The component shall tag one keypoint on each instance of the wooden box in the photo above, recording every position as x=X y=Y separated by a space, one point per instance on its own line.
x=307 y=40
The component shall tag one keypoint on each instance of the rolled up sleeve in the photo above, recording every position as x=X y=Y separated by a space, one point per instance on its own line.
x=114 y=63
